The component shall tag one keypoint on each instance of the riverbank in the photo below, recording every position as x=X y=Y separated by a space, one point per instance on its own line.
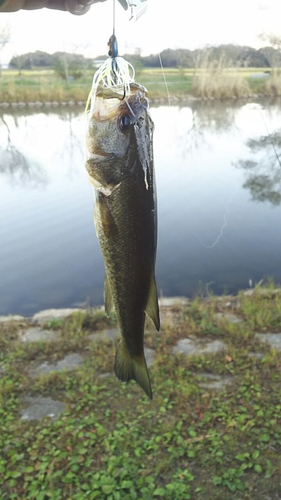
x=54 y=104
x=215 y=83
x=212 y=430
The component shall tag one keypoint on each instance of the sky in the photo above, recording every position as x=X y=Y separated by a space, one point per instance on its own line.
x=166 y=24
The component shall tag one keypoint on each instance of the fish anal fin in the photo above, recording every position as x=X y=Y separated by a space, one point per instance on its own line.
x=128 y=367
x=152 y=307
x=108 y=302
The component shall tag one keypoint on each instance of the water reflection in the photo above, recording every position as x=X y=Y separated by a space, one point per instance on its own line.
x=27 y=124
x=208 y=157
x=264 y=174
x=15 y=165
x=218 y=117
x=197 y=121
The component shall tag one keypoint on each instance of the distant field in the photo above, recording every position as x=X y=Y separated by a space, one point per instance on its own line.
x=46 y=85
x=41 y=73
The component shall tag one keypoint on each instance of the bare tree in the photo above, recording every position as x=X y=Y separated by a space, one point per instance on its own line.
x=5 y=33
x=275 y=42
x=18 y=63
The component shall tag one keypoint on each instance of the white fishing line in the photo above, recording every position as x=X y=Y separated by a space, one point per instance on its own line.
x=224 y=224
x=165 y=80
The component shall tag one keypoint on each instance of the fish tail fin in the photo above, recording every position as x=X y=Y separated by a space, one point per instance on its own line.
x=128 y=367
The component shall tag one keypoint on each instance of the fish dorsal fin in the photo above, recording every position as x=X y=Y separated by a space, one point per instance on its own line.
x=108 y=302
x=152 y=307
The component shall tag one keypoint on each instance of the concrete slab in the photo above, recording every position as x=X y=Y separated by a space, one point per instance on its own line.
x=110 y=334
x=105 y=375
x=39 y=407
x=49 y=314
x=149 y=356
x=256 y=355
x=274 y=339
x=198 y=347
x=173 y=301
x=70 y=362
x=215 y=382
x=230 y=318
x=12 y=317
x=36 y=334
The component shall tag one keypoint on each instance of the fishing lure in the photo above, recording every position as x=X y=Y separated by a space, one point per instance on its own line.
x=115 y=74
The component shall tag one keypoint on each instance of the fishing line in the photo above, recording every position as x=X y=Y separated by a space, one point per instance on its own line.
x=164 y=77
x=227 y=212
x=113 y=18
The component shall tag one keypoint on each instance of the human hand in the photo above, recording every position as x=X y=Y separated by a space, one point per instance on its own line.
x=77 y=7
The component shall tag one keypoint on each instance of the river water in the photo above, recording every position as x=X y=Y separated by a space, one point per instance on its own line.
x=219 y=195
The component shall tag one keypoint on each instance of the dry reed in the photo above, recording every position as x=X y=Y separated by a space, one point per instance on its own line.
x=273 y=85
x=218 y=79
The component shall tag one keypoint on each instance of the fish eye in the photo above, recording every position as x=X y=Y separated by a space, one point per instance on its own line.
x=124 y=122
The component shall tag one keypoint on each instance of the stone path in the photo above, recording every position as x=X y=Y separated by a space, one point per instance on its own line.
x=215 y=382
x=39 y=407
x=273 y=339
x=198 y=347
x=37 y=334
x=68 y=363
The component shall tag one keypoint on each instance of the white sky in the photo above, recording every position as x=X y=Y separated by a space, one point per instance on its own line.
x=166 y=24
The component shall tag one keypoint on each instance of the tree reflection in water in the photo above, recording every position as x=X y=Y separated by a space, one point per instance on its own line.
x=19 y=167
x=205 y=118
x=264 y=175
x=14 y=164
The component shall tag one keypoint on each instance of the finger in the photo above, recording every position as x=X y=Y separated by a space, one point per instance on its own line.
x=90 y=2
x=76 y=7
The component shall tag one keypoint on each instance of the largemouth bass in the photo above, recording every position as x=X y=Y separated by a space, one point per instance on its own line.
x=120 y=166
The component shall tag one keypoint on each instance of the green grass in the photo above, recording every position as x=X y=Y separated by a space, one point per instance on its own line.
x=210 y=82
x=113 y=443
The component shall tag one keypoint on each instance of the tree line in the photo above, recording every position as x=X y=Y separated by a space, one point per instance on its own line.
x=64 y=63
x=234 y=55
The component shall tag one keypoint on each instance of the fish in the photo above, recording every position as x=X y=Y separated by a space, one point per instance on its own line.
x=120 y=166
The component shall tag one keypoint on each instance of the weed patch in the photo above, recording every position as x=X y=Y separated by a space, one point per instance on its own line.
x=112 y=443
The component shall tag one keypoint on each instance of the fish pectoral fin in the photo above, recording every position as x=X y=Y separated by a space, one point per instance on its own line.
x=152 y=308
x=128 y=367
x=107 y=220
x=108 y=302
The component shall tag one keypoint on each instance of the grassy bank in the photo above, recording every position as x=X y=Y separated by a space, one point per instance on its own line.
x=212 y=82
x=112 y=443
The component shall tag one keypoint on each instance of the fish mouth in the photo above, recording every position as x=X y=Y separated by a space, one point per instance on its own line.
x=108 y=102
x=105 y=109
